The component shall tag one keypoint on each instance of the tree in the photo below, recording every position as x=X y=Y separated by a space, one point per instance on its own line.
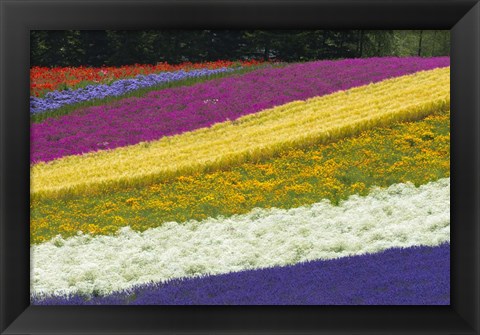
x=96 y=45
x=420 y=37
x=120 y=47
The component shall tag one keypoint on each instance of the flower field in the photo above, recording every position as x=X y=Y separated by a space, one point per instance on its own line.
x=44 y=79
x=325 y=182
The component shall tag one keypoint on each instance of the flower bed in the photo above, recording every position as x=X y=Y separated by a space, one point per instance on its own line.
x=318 y=183
x=44 y=79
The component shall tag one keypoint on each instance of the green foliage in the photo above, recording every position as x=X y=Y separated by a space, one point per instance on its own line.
x=424 y=43
x=96 y=48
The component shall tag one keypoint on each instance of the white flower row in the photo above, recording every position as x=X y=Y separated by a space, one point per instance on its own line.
x=399 y=216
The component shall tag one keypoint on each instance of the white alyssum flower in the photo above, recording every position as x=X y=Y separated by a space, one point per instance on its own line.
x=399 y=216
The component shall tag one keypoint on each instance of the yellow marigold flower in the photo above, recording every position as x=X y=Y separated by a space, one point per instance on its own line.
x=118 y=219
x=358 y=187
x=300 y=188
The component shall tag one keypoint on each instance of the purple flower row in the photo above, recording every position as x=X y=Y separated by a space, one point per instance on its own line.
x=177 y=110
x=412 y=276
x=57 y=99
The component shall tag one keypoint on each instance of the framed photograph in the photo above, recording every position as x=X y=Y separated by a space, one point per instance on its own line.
x=229 y=166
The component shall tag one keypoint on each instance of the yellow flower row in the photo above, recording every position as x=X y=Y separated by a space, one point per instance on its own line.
x=412 y=151
x=250 y=138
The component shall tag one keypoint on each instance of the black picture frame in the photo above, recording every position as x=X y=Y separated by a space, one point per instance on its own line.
x=18 y=17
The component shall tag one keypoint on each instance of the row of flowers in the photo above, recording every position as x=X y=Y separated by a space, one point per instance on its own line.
x=57 y=99
x=296 y=124
x=419 y=274
x=45 y=79
x=401 y=215
x=412 y=151
x=176 y=110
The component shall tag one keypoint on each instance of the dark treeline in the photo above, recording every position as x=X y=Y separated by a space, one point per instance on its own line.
x=96 y=48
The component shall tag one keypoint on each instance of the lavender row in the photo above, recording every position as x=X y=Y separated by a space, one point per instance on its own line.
x=177 y=110
x=412 y=276
x=57 y=99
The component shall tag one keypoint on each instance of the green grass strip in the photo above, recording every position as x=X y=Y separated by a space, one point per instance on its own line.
x=411 y=151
